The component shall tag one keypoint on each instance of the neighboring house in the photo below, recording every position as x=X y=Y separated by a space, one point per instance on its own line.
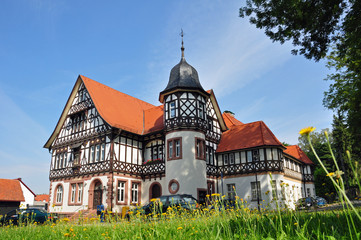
x=113 y=149
x=41 y=201
x=14 y=194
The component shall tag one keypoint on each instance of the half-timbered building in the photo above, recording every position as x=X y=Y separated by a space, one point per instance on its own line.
x=114 y=149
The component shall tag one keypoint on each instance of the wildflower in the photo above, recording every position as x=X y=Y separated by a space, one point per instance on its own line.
x=153 y=199
x=66 y=219
x=66 y=234
x=330 y=174
x=207 y=196
x=306 y=131
x=71 y=230
x=179 y=228
x=295 y=224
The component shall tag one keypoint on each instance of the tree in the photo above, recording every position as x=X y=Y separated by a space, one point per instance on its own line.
x=344 y=97
x=341 y=144
x=313 y=26
x=319 y=143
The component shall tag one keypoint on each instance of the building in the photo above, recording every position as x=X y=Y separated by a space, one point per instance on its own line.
x=14 y=194
x=113 y=149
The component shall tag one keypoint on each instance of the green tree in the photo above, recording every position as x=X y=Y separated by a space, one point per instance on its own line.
x=344 y=97
x=312 y=25
x=323 y=185
x=319 y=143
x=341 y=144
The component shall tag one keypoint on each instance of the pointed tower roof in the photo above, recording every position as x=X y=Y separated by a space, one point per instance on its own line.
x=182 y=76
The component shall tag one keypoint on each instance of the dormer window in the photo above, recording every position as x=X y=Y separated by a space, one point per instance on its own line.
x=172 y=109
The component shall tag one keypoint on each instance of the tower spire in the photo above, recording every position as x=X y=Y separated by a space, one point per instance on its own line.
x=182 y=48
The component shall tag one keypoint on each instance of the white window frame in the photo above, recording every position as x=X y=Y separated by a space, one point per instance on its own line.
x=59 y=194
x=121 y=191
x=135 y=190
x=80 y=192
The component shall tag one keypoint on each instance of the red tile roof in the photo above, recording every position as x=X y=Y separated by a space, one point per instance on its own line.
x=42 y=197
x=121 y=110
x=10 y=190
x=248 y=135
x=296 y=152
x=230 y=120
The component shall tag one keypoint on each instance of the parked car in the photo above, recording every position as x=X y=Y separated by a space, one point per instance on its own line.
x=306 y=203
x=161 y=205
x=320 y=201
x=28 y=215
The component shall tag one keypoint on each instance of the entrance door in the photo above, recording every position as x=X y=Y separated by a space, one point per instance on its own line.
x=98 y=194
x=202 y=196
x=156 y=191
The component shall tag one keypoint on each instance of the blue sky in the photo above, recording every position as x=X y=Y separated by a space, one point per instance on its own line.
x=132 y=46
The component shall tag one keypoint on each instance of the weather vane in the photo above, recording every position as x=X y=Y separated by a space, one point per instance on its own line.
x=182 y=48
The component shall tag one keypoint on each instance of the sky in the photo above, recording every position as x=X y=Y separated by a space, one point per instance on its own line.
x=131 y=46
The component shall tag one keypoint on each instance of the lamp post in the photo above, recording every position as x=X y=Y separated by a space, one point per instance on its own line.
x=256 y=159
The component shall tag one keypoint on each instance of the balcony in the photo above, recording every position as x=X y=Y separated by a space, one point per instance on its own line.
x=245 y=168
x=155 y=169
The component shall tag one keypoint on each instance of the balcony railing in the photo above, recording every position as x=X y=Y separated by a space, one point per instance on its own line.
x=105 y=166
x=244 y=168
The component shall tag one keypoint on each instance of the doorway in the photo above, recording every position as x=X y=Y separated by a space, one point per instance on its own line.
x=98 y=195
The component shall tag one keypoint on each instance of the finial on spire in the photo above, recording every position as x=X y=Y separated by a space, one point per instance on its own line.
x=182 y=48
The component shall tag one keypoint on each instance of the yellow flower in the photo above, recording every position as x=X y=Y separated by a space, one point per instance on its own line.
x=307 y=130
x=66 y=219
x=66 y=234
x=330 y=174
x=207 y=195
x=153 y=199
x=179 y=228
x=295 y=224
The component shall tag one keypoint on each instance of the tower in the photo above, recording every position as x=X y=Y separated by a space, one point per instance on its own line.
x=185 y=124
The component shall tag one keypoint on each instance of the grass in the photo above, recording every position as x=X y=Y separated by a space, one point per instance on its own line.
x=236 y=223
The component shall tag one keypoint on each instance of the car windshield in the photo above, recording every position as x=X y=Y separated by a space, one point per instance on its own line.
x=189 y=200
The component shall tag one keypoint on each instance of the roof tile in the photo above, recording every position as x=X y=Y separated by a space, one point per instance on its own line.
x=247 y=135
x=297 y=152
x=10 y=190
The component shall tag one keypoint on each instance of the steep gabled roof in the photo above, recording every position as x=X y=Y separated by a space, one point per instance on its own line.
x=116 y=108
x=230 y=120
x=296 y=152
x=10 y=191
x=248 y=135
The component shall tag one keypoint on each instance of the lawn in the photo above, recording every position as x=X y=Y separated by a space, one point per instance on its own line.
x=236 y=223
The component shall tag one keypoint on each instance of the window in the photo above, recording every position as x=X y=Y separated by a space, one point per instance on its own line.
x=201 y=110
x=174 y=148
x=135 y=193
x=59 y=194
x=255 y=155
x=91 y=154
x=200 y=148
x=97 y=153
x=249 y=156
x=274 y=189
x=256 y=191
x=80 y=192
x=231 y=158
x=308 y=192
x=121 y=192
x=61 y=160
x=172 y=109
x=73 y=192
x=231 y=191
x=225 y=159
x=77 y=121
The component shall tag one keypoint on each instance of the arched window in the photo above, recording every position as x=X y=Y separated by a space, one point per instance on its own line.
x=59 y=194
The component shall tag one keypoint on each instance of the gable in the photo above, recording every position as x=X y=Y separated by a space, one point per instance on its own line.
x=80 y=118
x=214 y=111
